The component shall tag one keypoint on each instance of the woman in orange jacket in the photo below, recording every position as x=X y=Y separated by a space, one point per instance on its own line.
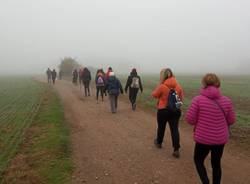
x=165 y=114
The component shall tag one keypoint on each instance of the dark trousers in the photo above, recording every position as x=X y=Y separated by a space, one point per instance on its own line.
x=133 y=95
x=200 y=153
x=49 y=79
x=74 y=80
x=164 y=116
x=99 y=89
x=86 y=88
x=53 y=79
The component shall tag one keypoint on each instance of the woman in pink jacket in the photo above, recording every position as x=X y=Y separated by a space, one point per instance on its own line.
x=211 y=114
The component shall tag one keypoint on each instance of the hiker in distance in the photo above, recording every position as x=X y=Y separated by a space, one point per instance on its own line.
x=86 y=78
x=80 y=72
x=100 y=83
x=53 y=75
x=114 y=88
x=60 y=73
x=49 y=75
x=75 y=76
x=211 y=114
x=134 y=84
x=169 y=94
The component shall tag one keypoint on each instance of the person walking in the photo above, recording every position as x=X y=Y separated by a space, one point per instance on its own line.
x=134 y=84
x=100 y=83
x=114 y=88
x=75 y=76
x=54 y=74
x=60 y=74
x=211 y=114
x=86 y=78
x=49 y=74
x=165 y=113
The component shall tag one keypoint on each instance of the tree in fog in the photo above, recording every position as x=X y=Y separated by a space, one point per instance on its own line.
x=67 y=65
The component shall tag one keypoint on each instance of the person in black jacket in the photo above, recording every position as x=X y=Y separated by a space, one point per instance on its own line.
x=75 y=76
x=54 y=74
x=134 y=84
x=86 y=78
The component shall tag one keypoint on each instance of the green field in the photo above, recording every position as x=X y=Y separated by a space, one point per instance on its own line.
x=19 y=102
x=34 y=137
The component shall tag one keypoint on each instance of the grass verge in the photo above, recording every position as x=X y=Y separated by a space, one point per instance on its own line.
x=44 y=156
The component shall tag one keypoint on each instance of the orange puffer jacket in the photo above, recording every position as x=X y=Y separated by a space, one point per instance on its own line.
x=162 y=91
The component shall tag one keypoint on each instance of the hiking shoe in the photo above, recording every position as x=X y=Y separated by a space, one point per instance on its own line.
x=158 y=145
x=134 y=107
x=176 y=154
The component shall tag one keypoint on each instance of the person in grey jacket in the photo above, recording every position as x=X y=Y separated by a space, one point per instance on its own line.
x=114 y=88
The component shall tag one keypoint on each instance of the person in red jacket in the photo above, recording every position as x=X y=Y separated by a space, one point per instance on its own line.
x=164 y=115
x=211 y=114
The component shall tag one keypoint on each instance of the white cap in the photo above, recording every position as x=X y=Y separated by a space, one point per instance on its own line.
x=111 y=74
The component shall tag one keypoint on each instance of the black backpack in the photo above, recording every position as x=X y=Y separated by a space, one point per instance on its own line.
x=174 y=102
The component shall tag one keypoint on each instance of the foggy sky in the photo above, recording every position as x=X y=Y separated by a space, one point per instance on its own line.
x=185 y=35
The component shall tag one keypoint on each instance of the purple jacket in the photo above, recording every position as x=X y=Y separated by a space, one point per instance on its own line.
x=211 y=126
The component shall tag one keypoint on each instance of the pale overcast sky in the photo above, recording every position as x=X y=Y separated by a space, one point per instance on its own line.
x=186 y=35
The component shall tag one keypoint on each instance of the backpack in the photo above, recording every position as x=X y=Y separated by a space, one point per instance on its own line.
x=174 y=102
x=100 y=81
x=135 y=82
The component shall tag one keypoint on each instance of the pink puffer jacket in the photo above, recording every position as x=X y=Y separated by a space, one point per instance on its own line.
x=211 y=125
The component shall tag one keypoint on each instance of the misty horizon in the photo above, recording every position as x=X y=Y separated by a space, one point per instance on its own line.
x=190 y=37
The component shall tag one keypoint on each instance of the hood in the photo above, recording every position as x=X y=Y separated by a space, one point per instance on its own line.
x=133 y=73
x=171 y=82
x=211 y=92
x=111 y=78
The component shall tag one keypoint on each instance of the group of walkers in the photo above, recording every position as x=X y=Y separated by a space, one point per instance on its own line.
x=51 y=76
x=108 y=83
x=210 y=113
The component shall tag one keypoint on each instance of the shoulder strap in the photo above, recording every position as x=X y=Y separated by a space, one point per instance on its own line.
x=222 y=110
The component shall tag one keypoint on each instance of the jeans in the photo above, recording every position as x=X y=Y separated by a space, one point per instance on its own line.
x=200 y=153
x=86 y=88
x=164 y=116
x=113 y=102
x=99 y=89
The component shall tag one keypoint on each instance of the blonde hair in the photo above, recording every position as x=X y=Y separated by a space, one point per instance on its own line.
x=210 y=79
x=165 y=74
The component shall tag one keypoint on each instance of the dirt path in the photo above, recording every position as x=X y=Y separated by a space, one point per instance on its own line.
x=118 y=148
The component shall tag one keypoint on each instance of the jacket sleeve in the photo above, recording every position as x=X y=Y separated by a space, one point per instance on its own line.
x=141 y=88
x=128 y=83
x=96 y=78
x=120 y=86
x=231 y=115
x=157 y=92
x=180 y=92
x=106 y=87
x=192 y=112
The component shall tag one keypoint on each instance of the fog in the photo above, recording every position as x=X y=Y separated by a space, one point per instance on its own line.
x=189 y=36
